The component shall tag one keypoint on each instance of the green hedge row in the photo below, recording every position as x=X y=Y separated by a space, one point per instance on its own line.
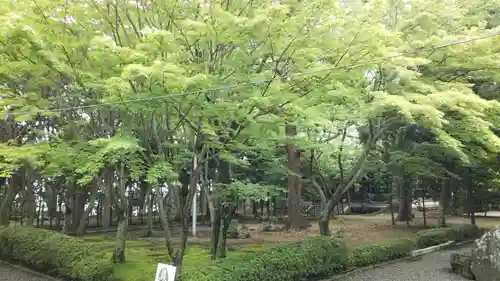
x=436 y=236
x=379 y=252
x=53 y=253
x=311 y=258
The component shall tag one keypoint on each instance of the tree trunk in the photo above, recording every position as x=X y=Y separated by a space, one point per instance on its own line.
x=148 y=230
x=444 y=198
x=30 y=205
x=68 y=212
x=121 y=203
x=226 y=222
x=59 y=211
x=215 y=222
x=78 y=209
x=471 y=197
x=82 y=225
x=119 y=251
x=106 y=205
x=405 y=201
x=164 y=220
x=12 y=189
x=295 y=219
x=342 y=188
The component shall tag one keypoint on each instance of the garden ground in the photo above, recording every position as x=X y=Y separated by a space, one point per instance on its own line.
x=144 y=253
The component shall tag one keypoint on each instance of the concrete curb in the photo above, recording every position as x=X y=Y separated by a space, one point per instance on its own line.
x=30 y=271
x=413 y=256
x=431 y=249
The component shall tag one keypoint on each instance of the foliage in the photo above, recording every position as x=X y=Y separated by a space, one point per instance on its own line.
x=436 y=236
x=432 y=237
x=379 y=252
x=310 y=258
x=54 y=253
x=173 y=89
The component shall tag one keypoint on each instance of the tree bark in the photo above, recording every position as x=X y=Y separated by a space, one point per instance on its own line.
x=106 y=206
x=82 y=225
x=5 y=208
x=405 y=200
x=444 y=198
x=339 y=192
x=121 y=203
x=148 y=230
x=295 y=219
x=78 y=209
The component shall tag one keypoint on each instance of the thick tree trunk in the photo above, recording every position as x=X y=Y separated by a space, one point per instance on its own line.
x=226 y=222
x=215 y=222
x=82 y=225
x=30 y=205
x=5 y=208
x=295 y=219
x=444 y=198
x=78 y=209
x=119 y=251
x=405 y=201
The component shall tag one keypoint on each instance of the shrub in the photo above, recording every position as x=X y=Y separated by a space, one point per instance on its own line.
x=432 y=237
x=310 y=258
x=463 y=232
x=54 y=253
x=436 y=236
x=378 y=252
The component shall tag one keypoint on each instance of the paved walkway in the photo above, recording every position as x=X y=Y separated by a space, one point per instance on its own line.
x=8 y=273
x=431 y=267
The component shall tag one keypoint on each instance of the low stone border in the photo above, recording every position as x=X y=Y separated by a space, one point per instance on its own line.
x=431 y=249
x=413 y=256
x=30 y=271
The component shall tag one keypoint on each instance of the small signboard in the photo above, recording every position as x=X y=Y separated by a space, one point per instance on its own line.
x=165 y=272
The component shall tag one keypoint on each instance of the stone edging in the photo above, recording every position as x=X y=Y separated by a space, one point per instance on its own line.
x=413 y=255
x=30 y=271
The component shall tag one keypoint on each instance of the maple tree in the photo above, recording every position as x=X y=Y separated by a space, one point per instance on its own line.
x=180 y=98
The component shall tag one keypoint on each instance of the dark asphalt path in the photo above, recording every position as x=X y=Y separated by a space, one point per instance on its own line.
x=8 y=273
x=431 y=267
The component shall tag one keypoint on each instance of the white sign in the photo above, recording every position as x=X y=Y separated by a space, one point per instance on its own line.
x=165 y=272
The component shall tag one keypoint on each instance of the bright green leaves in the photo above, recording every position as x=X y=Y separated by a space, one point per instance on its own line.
x=160 y=172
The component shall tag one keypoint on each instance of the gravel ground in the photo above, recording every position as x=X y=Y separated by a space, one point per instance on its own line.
x=8 y=273
x=431 y=267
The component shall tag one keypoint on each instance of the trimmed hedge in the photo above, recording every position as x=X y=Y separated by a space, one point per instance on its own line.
x=54 y=253
x=436 y=236
x=311 y=258
x=379 y=252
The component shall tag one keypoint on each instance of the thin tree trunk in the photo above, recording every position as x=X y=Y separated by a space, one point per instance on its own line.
x=59 y=211
x=122 y=213
x=164 y=220
x=339 y=192
x=148 y=230
x=68 y=213
x=106 y=205
x=443 y=202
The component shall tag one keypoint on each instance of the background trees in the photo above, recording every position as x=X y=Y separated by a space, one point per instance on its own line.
x=115 y=104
